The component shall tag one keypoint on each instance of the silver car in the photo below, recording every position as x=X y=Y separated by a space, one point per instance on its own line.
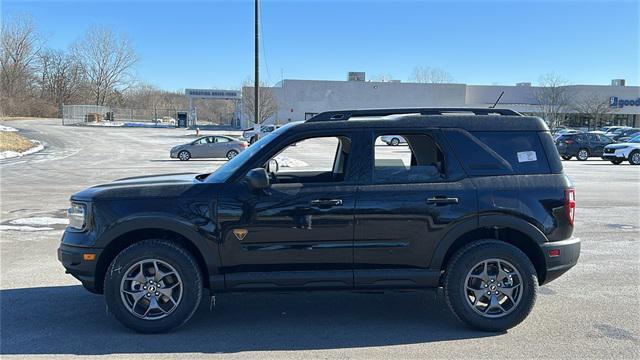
x=217 y=146
x=393 y=140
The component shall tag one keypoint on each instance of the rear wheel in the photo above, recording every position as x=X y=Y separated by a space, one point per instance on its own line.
x=490 y=285
x=616 y=162
x=153 y=286
x=184 y=155
x=634 y=157
x=231 y=154
x=395 y=142
x=566 y=157
x=583 y=154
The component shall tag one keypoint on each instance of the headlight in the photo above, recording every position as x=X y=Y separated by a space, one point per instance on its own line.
x=77 y=215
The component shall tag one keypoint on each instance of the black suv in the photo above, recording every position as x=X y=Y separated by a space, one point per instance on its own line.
x=582 y=146
x=476 y=203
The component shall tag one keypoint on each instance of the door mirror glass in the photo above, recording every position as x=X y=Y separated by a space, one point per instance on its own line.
x=258 y=178
x=273 y=166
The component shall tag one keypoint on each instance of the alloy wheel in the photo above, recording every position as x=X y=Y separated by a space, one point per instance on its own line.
x=583 y=154
x=151 y=289
x=635 y=158
x=493 y=288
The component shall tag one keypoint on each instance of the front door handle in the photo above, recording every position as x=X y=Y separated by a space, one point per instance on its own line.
x=326 y=202
x=442 y=200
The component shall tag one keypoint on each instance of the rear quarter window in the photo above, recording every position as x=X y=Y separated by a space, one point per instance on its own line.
x=485 y=153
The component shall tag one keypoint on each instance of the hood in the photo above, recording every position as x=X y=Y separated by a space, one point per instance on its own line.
x=621 y=145
x=167 y=185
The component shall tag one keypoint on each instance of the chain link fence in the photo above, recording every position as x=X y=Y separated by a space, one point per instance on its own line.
x=93 y=114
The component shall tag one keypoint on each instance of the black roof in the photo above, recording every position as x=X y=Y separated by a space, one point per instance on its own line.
x=471 y=119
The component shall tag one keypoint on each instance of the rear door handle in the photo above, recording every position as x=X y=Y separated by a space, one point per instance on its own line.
x=326 y=202
x=442 y=200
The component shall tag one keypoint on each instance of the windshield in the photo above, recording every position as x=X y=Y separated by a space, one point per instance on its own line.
x=635 y=139
x=225 y=171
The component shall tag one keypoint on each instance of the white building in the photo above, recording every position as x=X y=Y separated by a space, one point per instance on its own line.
x=301 y=99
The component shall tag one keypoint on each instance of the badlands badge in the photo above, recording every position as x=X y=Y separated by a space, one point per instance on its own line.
x=240 y=233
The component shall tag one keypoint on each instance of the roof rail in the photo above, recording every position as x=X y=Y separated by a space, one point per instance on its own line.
x=340 y=115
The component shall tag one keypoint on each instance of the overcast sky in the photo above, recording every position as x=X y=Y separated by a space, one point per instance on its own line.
x=206 y=44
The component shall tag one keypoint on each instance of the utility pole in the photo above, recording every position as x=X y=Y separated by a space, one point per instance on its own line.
x=256 y=88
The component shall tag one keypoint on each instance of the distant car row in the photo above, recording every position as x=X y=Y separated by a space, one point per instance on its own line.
x=584 y=146
x=617 y=133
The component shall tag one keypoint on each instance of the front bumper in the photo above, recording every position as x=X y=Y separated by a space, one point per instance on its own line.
x=569 y=252
x=71 y=258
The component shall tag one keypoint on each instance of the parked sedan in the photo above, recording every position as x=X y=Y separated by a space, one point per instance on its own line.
x=393 y=140
x=218 y=146
x=582 y=146
x=617 y=153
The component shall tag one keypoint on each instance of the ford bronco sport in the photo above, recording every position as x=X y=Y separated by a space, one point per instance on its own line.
x=476 y=203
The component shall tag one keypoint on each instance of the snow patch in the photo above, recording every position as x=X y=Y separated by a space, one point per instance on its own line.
x=12 y=154
x=285 y=161
x=7 y=128
x=23 y=228
x=40 y=221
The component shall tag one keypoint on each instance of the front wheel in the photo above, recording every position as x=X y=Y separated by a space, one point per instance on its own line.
x=490 y=285
x=184 y=155
x=395 y=142
x=153 y=286
x=634 y=157
x=231 y=154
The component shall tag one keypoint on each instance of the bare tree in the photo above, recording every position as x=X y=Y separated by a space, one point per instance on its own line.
x=108 y=60
x=426 y=74
x=61 y=77
x=594 y=106
x=19 y=48
x=268 y=102
x=553 y=98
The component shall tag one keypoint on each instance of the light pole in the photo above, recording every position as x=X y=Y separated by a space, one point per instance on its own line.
x=256 y=87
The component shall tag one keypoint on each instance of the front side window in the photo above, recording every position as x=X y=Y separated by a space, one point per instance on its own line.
x=220 y=139
x=420 y=161
x=319 y=159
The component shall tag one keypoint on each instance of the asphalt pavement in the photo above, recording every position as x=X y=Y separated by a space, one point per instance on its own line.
x=593 y=311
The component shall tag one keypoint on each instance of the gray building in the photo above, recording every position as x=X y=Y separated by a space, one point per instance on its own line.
x=301 y=99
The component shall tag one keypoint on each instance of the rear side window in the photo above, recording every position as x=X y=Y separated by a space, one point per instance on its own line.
x=486 y=153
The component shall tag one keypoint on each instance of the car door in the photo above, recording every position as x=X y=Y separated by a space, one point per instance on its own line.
x=414 y=195
x=199 y=148
x=596 y=145
x=298 y=233
x=219 y=147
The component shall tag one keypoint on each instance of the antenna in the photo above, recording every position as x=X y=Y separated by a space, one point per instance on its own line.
x=497 y=101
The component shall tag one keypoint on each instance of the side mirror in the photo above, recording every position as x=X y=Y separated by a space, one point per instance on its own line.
x=273 y=166
x=258 y=178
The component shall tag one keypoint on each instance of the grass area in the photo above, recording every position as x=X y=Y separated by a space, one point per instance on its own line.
x=11 y=141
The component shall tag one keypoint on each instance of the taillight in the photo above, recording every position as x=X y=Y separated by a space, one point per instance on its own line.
x=568 y=142
x=243 y=144
x=570 y=204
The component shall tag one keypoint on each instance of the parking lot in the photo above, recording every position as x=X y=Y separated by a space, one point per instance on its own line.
x=591 y=312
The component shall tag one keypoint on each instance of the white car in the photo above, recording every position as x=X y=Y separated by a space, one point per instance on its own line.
x=393 y=140
x=247 y=134
x=619 y=152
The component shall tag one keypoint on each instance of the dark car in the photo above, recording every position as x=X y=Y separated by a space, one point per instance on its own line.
x=582 y=146
x=623 y=133
x=476 y=204
x=628 y=137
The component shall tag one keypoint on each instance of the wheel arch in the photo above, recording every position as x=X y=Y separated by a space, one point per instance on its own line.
x=509 y=229
x=129 y=233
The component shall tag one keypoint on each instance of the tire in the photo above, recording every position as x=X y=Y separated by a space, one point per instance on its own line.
x=566 y=157
x=231 y=154
x=181 y=280
x=395 y=142
x=616 y=162
x=583 y=154
x=458 y=276
x=184 y=155
x=634 y=157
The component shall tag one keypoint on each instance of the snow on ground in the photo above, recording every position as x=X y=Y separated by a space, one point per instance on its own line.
x=7 y=128
x=12 y=154
x=285 y=161
x=40 y=221
x=24 y=228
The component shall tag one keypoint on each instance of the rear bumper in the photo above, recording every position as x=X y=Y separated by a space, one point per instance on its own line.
x=71 y=258
x=568 y=257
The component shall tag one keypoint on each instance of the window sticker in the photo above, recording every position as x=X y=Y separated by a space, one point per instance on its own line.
x=527 y=156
